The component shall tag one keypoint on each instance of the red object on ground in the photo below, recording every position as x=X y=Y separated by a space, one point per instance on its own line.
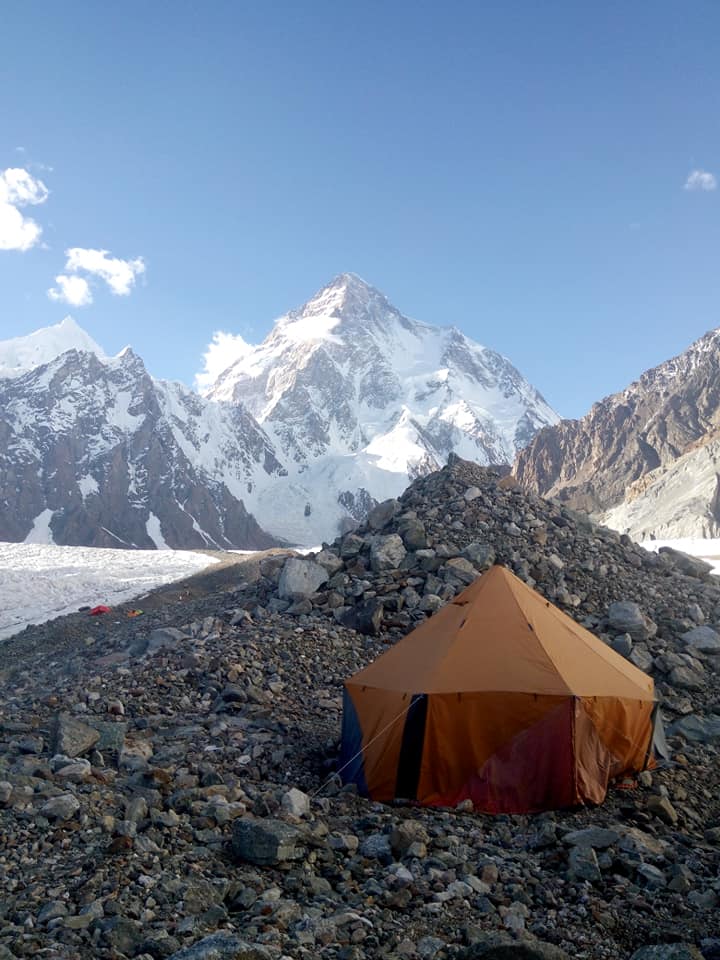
x=96 y=611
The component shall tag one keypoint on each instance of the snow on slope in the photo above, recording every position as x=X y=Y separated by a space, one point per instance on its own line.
x=39 y=583
x=359 y=399
x=679 y=500
x=23 y=353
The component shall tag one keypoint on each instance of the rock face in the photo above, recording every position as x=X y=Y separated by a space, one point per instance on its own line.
x=95 y=452
x=645 y=458
x=358 y=399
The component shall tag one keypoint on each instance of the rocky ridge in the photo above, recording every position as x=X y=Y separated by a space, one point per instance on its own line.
x=166 y=787
x=639 y=437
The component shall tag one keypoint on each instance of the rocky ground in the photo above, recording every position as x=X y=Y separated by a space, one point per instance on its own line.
x=166 y=783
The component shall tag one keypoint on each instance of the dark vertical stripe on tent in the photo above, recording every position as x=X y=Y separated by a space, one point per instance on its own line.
x=411 y=750
x=351 y=765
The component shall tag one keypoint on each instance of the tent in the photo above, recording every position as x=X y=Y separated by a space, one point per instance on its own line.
x=499 y=698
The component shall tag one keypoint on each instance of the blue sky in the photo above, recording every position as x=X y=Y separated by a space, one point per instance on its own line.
x=515 y=168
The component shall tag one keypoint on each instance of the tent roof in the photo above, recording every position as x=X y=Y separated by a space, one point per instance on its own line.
x=499 y=635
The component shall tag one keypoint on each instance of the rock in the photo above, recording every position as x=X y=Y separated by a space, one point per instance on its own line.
x=702 y=638
x=123 y=935
x=597 y=837
x=405 y=835
x=641 y=657
x=662 y=808
x=691 y=566
x=653 y=877
x=63 y=807
x=622 y=644
x=413 y=534
x=668 y=951
x=472 y=493
x=583 y=864
x=386 y=552
x=685 y=678
x=165 y=637
x=494 y=946
x=625 y=616
x=365 y=617
x=295 y=803
x=6 y=790
x=301 y=578
x=376 y=846
x=462 y=569
x=223 y=946
x=480 y=555
x=329 y=560
x=52 y=910
x=697 y=728
x=382 y=514
x=72 y=737
x=266 y=842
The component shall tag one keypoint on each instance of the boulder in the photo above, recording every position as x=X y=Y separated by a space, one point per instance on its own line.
x=413 y=534
x=267 y=842
x=329 y=560
x=301 y=578
x=73 y=737
x=62 y=807
x=625 y=616
x=295 y=803
x=365 y=618
x=697 y=728
x=703 y=638
x=691 y=566
x=386 y=552
x=223 y=946
x=494 y=946
x=381 y=515
x=668 y=951
x=480 y=555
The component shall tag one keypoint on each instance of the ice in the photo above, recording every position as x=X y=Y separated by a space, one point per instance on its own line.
x=39 y=582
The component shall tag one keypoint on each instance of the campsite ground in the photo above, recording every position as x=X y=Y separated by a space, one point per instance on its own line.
x=130 y=851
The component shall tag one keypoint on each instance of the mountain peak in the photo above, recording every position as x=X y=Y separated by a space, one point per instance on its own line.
x=42 y=346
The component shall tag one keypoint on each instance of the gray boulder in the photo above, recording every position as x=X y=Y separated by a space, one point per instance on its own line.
x=625 y=616
x=301 y=578
x=329 y=560
x=365 y=617
x=73 y=737
x=696 y=728
x=266 y=843
x=668 y=951
x=63 y=807
x=223 y=946
x=494 y=946
x=691 y=566
x=386 y=552
x=381 y=515
x=480 y=555
x=704 y=639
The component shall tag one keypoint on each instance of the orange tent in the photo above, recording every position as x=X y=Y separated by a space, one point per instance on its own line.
x=499 y=698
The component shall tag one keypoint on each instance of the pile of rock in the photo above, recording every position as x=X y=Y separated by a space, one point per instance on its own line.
x=166 y=784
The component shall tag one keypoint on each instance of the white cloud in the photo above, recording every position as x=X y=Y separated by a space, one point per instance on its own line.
x=701 y=180
x=222 y=352
x=118 y=274
x=18 y=188
x=73 y=290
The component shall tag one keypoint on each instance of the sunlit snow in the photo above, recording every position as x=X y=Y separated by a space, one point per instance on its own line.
x=41 y=582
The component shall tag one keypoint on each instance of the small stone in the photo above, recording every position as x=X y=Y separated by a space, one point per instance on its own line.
x=583 y=864
x=295 y=803
x=663 y=809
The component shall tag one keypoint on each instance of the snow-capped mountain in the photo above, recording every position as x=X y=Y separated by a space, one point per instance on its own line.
x=23 y=353
x=645 y=461
x=93 y=451
x=358 y=399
